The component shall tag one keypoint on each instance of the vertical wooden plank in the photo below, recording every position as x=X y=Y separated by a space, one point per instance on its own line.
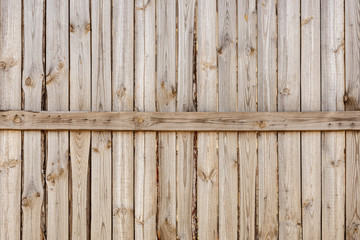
x=166 y=102
x=333 y=143
x=228 y=162
x=185 y=103
x=247 y=89
x=10 y=98
x=123 y=142
x=33 y=75
x=267 y=201
x=208 y=191
x=289 y=100
x=80 y=100
x=310 y=101
x=145 y=142
x=352 y=60
x=101 y=101
x=57 y=86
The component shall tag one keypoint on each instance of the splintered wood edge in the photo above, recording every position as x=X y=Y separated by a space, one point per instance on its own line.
x=180 y=121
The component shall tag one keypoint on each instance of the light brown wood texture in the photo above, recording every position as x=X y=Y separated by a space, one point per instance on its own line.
x=289 y=100
x=101 y=187
x=310 y=101
x=145 y=142
x=267 y=182
x=185 y=103
x=32 y=82
x=166 y=102
x=333 y=143
x=208 y=161
x=10 y=98
x=228 y=157
x=57 y=152
x=351 y=99
x=123 y=100
x=80 y=100
x=247 y=97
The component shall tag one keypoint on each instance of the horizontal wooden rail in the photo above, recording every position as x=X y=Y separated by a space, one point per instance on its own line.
x=181 y=121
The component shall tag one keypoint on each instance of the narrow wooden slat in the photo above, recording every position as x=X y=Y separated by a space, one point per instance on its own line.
x=333 y=143
x=57 y=86
x=10 y=98
x=247 y=89
x=228 y=162
x=101 y=214
x=33 y=76
x=289 y=100
x=185 y=103
x=166 y=102
x=352 y=101
x=267 y=182
x=145 y=142
x=207 y=165
x=123 y=142
x=310 y=101
x=80 y=100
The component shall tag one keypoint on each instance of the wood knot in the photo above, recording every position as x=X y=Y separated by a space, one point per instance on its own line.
x=28 y=81
x=87 y=28
x=72 y=29
x=54 y=176
x=17 y=119
x=29 y=200
x=211 y=177
x=108 y=144
x=6 y=64
x=121 y=92
x=262 y=124
x=285 y=92
x=138 y=120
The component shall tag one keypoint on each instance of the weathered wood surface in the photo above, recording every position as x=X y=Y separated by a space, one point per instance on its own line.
x=145 y=142
x=101 y=186
x=352 y=102
x=80 y=100
x=57 y=87
x=123 y=100
x=181 y=121
x=10 y=98
x=333 y=143
x=310 y=101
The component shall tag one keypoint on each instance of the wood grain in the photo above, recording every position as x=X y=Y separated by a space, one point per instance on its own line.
x=247 y=102
x=80 y=100
x=207 y=165
x=289 y=100
x=166 y=102
x=185 y=103
x=145 y=142
x=57 y=86
x=32 y=81
x=123 y=100
x=10 y=98
x=228 y=157
x=310 y=101
x=267 y=196
x=101 y=187
x=333 y=143
x=352 y=73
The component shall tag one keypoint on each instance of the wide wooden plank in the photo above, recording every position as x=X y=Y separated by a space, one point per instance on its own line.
x=185 y=103
x=80 y=100
x=247 y=97
x=352 y=101
x=267 y=182
x=181 y=121
x=310 y=101
x=166 y=102
x=289 y=100
x=101 y=187
x=228 y=162
x=208 y=161
x=333 y=143
x=10 y=98
x=32 y=81
x=57 y=86
x=123 y=142
x=145 y=142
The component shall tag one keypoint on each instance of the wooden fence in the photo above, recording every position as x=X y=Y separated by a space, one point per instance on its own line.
x=97 y=140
